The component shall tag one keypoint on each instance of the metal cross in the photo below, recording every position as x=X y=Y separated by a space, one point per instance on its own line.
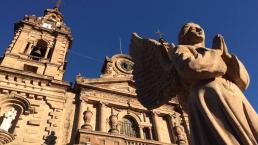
x=58 y=4
x=159 y=33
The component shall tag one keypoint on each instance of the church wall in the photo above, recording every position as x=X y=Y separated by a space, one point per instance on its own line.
x=31 y=128
x=69 y=113
x=51 y=108
x=121 y=106
x=19 y=40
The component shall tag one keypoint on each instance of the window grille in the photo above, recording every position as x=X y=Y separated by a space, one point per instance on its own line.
x=129 y=127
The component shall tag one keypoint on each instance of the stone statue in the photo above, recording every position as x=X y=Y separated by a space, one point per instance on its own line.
x=209 y=83
x=180 y=133
x=178 y=128
x=7 y=120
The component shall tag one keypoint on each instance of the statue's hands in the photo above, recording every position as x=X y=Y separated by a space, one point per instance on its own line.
x=219 y=43
x=225 y=54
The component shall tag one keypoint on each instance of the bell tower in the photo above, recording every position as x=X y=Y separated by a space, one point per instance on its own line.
x=40 y=45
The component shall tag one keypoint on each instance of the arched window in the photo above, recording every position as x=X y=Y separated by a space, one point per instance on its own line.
x=39 y=50
x=129 y=127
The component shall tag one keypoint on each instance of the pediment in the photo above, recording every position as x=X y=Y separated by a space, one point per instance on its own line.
x=115 y=85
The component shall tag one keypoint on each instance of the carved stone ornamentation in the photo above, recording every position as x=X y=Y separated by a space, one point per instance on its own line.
x=119 y=66
x=87 y=115
x=113 y=121
x=181 y=137
x=178 y=128
x=5 y=137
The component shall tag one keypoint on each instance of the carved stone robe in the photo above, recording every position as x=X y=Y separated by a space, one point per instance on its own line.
x=219 y=112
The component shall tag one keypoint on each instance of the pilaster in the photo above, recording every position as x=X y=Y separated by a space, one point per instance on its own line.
x=102 y=116
x=156 y=125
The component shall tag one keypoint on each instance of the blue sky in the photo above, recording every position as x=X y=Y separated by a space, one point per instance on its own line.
x=97 y=26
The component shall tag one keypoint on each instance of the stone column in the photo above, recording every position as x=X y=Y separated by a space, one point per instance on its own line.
x=102 y=117
x=30 y=47
x=47 y=51
x=156 y=126
x=171 y=122
x=141 y=131
x=150 y=131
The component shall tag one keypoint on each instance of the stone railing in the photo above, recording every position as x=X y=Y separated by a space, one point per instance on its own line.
x=36 y=58
x=137 y=141
x=94 y=136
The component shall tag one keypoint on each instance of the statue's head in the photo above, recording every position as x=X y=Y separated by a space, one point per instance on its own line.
x=191 y=34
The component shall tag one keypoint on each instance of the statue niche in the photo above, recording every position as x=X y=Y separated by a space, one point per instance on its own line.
x=8 y=122
x=12 y=107
x=8 y=118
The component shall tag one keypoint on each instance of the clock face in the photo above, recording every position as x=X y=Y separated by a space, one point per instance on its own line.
x=125 y=66
x=47 y=25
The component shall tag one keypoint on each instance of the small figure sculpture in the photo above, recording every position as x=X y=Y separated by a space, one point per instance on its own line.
x=8 y=118
x=180 y=134
x=181 y=138
x=209 y=83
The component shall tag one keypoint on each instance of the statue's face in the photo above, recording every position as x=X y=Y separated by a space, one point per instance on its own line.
x=195 y=31
x=192 y=33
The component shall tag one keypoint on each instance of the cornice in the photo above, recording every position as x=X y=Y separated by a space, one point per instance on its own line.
x=33 y=75
x=107 y=90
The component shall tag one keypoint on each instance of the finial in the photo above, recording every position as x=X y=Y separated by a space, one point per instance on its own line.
x=159 y=33
x=120 y=46
x=161 y=38
x=58 y=4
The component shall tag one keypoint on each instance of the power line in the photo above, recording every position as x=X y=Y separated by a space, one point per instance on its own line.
x=85 y=56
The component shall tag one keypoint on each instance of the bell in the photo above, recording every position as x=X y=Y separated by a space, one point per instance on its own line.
x=37 y=53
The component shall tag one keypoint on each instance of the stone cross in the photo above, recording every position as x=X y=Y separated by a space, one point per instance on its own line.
x=8 y=118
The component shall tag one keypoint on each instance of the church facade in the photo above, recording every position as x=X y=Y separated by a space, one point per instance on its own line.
x=38 y=107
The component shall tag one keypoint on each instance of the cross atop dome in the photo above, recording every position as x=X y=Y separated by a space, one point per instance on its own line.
x=58 y=4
